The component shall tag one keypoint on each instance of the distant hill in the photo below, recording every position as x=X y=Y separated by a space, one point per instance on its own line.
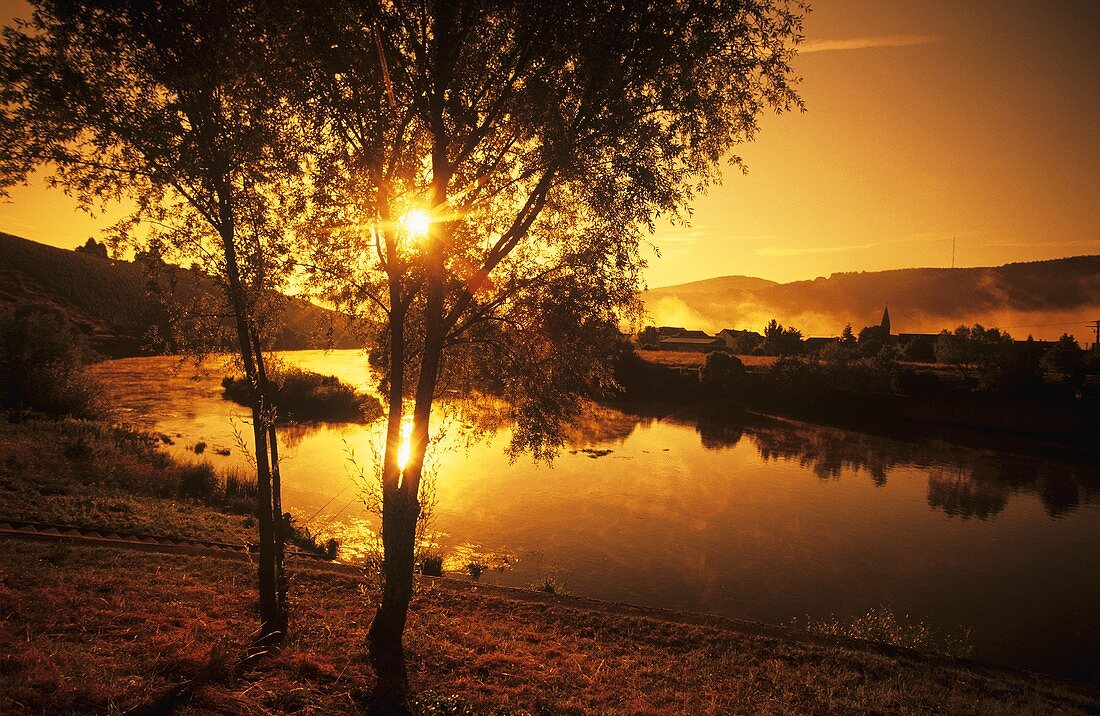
x=1022 y=297
x=115 y=304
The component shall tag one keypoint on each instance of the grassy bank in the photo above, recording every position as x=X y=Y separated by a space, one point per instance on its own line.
x=82 y=638
x=90 y=473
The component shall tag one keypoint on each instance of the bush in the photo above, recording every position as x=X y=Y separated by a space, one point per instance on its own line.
x=549 y=585
x=303 y=539
x=432 y=565
x=722 y=373
x=304 y=396
x=42 y=359
x=921 y=349
x=198 y=481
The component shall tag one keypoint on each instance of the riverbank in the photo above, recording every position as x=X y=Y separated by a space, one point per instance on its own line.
x=90 y=473
x=907 y=397
x=83 y=639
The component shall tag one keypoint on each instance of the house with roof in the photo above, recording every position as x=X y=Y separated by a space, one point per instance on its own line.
x=692 y=343
x=740 y=341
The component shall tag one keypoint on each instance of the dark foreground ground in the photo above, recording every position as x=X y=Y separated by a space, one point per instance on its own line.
x=103 y=630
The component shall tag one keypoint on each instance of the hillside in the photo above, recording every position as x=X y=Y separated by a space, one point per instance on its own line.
x=116 y=303
x=1026 y=297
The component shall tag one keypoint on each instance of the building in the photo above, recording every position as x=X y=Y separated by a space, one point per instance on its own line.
x=740 y=341
x=691 y=344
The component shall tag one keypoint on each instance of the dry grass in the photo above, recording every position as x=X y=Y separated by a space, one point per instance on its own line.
x=694 y=360
x=81 y=636
x=86 y=473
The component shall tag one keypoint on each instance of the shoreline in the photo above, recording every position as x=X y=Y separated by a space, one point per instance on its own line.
x=473 y=648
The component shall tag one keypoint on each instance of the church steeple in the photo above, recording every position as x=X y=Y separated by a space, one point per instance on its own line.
x=886 y=320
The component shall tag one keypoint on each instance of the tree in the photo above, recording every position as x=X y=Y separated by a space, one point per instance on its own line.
x=872 y=339
x=93 y=248
x=42 y=359
x=921 y=349
x=649 y=338
x=172 y=105
x=1066 y=358
x=780 y=341
x=490 y=172
x=722 y=373
x=976 y=349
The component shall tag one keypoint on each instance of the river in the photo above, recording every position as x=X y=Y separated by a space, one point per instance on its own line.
x=745 y=516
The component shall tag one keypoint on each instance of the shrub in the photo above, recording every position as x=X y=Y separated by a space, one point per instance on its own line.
x=198 y=481
x=432 y=565
x=476 y=569
x=549 y=585
x=303 y=539
x=42 y=359
x=722 y=373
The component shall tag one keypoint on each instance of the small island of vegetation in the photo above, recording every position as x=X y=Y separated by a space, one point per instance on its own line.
x=303 y=396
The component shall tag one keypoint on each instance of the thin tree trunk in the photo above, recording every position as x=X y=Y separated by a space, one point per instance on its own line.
x=280 y=537
x=273 y=618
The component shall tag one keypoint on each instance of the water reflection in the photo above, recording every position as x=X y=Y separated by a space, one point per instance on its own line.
x=961 y=482
x=738 y=514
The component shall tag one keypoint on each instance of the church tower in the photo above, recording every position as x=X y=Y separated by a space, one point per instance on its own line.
x=886 y=321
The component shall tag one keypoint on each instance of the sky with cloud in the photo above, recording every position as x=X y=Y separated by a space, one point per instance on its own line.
x=927 y=122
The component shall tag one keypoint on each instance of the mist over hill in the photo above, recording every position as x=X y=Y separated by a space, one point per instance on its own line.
x=1022 y=297
x=117 y=303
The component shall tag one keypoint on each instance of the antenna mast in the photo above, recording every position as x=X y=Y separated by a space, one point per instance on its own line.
x=952 y=251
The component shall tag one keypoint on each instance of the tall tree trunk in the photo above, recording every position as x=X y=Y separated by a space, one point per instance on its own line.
x=401 y=503
x=388 y=624
x=273 y=615
x=279 y=536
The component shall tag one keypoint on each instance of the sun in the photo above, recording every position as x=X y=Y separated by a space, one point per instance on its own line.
x=416 y=223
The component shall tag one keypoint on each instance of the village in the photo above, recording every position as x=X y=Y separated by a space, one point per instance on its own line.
x=777 y=340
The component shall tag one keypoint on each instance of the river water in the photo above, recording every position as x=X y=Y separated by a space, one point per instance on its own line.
x=745 y=516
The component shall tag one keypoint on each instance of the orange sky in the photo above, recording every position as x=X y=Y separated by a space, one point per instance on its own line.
x=925 y=120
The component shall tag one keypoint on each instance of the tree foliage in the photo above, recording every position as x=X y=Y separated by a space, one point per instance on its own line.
x=175 y=107
x=542 y=140
x=780 y=341
x=42 y=359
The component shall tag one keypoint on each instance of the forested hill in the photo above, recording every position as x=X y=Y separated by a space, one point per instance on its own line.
x=116 y=303
x=1024 y=297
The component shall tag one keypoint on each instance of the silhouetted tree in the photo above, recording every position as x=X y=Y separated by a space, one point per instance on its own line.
x=93 y=248
x=779 y=341
x=649 y=338
x=173 y=105
x=1067 y=359
x=921 y=349
x=872 y=339
x=975 y=349
x=490 y=171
